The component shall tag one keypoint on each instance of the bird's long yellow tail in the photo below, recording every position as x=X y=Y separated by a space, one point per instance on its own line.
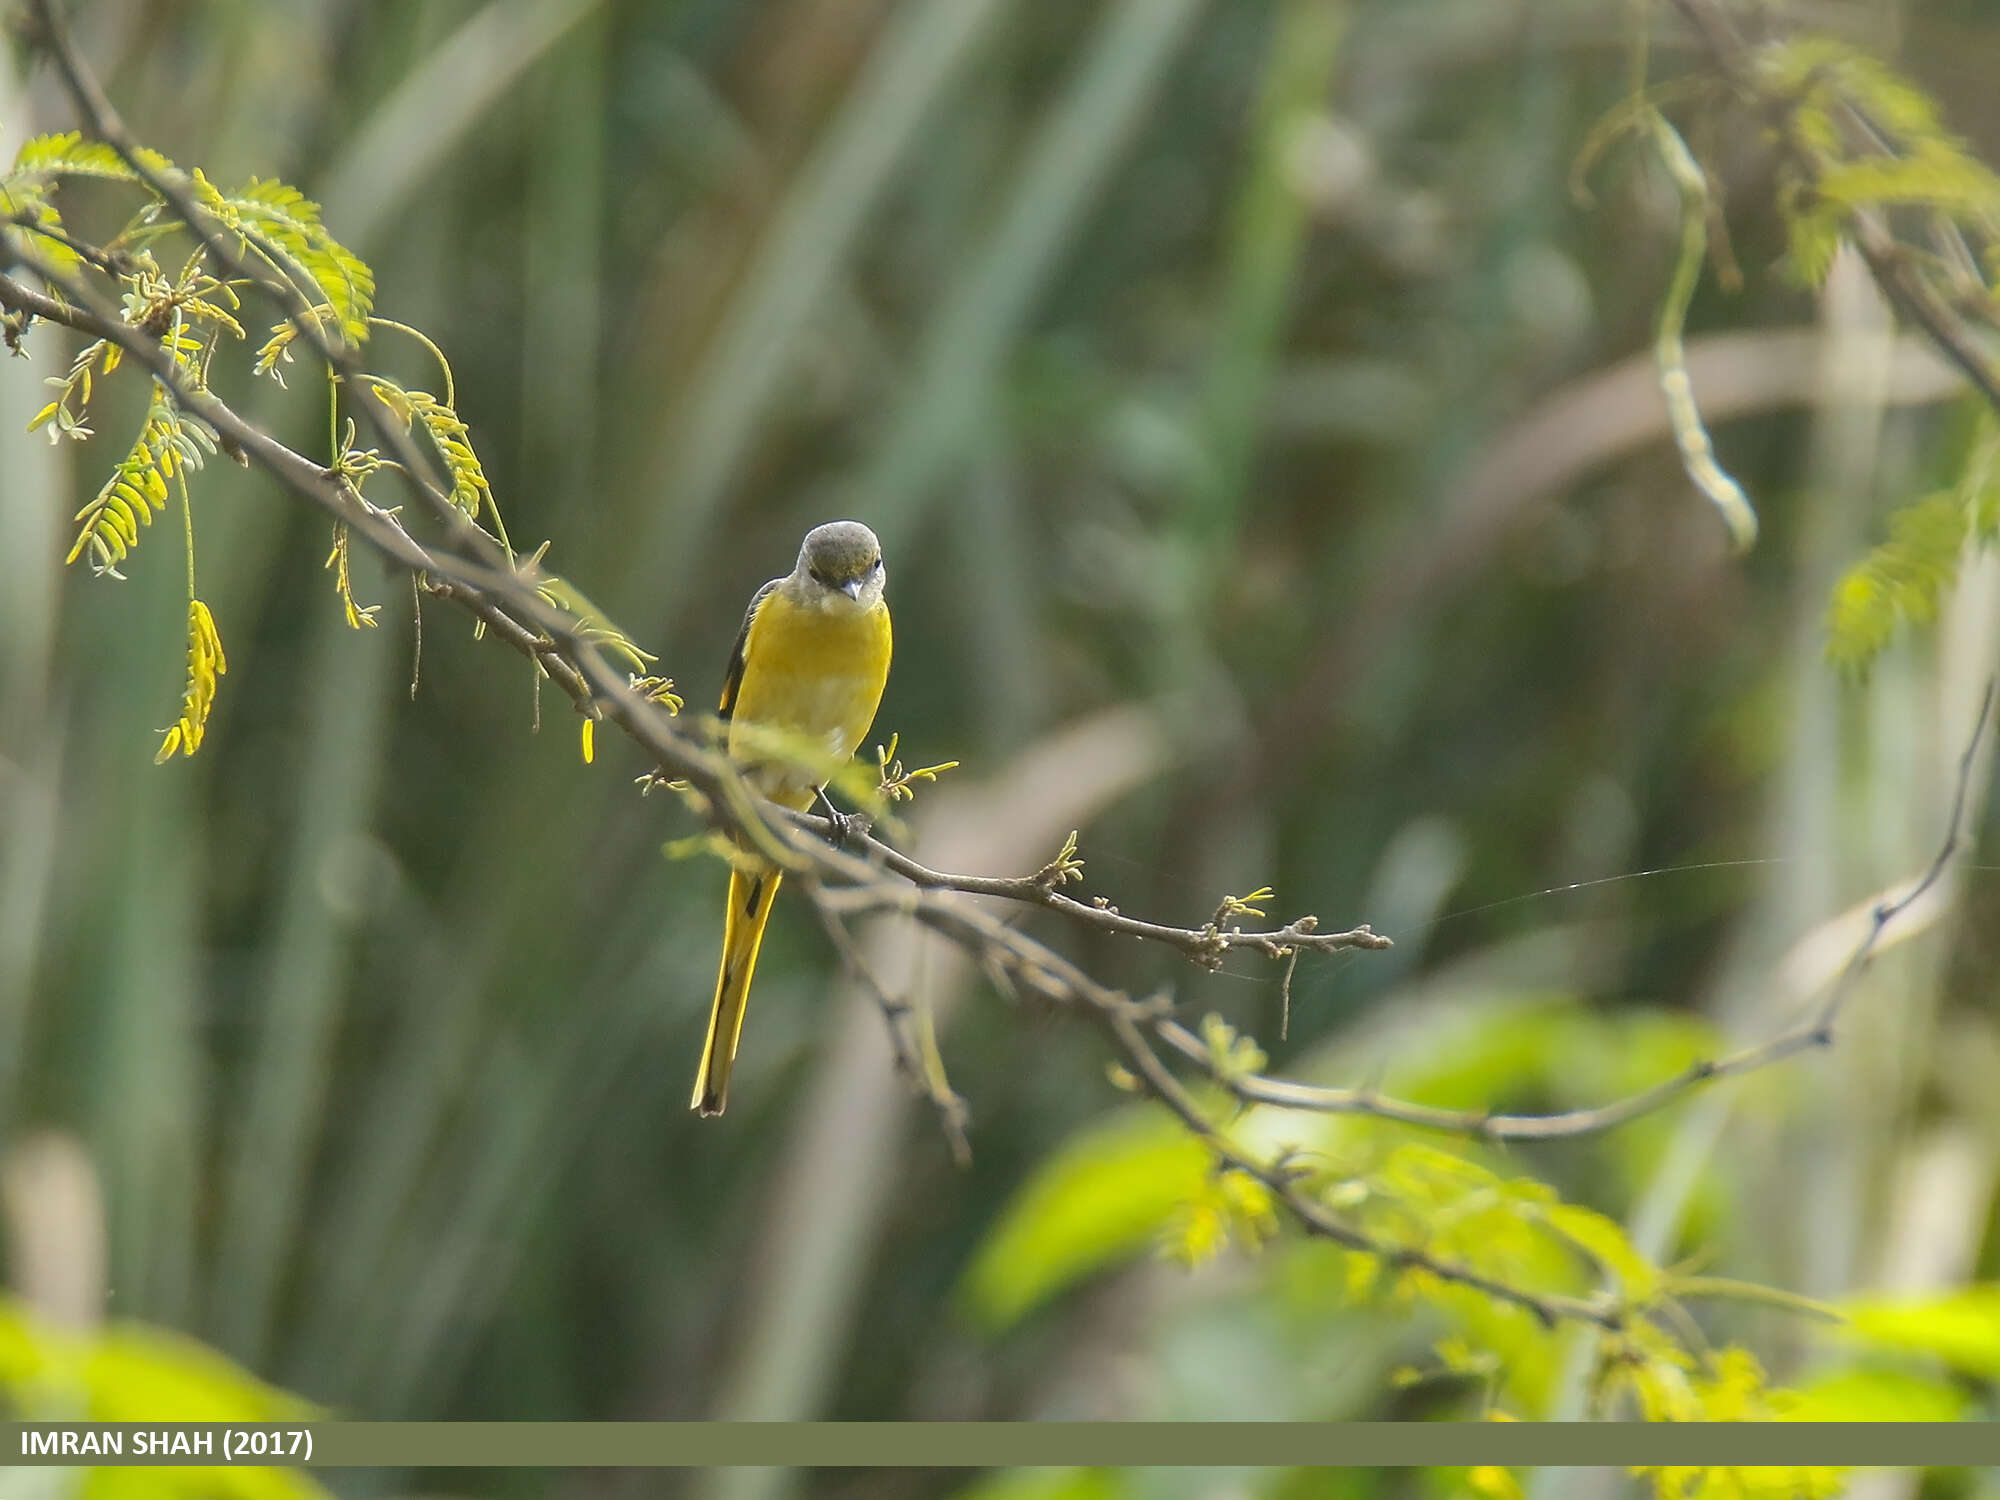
x=750 y=895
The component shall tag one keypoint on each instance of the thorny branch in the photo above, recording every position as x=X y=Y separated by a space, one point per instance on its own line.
x=863 y=875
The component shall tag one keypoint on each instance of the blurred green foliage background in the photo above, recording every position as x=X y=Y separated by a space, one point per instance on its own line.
x=1272 y=485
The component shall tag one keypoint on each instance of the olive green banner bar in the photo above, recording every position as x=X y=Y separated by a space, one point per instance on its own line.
x=573 y=1445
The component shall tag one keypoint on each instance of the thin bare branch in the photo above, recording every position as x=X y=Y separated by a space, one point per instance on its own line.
x=1814 y=1029
x=1206 y=945
x=901 y=1019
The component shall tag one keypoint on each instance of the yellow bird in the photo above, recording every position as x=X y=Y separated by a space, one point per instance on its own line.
x=812 y=659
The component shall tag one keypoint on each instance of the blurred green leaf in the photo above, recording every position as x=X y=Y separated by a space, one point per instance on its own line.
x=131 y=1372
x=134 y=1373
x=1099 y=1199
x=1606 y=1242
x=1863 y=1395
x=1962 y=1328
x=1106 y=1195
x=1538 y=1048
x=1904 y=580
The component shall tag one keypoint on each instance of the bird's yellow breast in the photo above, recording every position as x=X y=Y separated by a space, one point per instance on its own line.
x=817 y=673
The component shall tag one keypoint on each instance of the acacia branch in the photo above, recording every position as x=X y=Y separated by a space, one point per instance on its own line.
x=1011 y=953
x=102 y=119
x=1812 y=1030
x=475 y=572
x=502 y=599
x=547 y=637
x=1888 y=260
x=519 y=618
x=1284 y=1184
x=1206 y=945
x=1014 y=958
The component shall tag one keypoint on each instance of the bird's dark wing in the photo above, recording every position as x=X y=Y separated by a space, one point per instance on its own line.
x=733 y=678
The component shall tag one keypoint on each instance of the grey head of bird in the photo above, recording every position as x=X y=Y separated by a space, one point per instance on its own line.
x=840 y=566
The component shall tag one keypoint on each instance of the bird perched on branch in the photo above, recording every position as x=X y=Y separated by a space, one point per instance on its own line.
x=810 y=663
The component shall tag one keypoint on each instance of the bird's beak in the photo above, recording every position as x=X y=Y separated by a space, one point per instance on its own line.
x=852 y=588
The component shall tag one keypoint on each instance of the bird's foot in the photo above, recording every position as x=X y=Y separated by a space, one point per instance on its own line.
x=849 y=829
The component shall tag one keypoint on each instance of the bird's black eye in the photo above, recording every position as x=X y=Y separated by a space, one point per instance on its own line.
x=820 y=578
x=875 y=566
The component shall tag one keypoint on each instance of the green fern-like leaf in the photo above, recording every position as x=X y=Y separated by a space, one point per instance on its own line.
x=1936 y=175
x=205 y=664
x=33 y=214
x=68 y=154
x=1899 y=582
x=1979 y=486
x=1982 y=513
x=275 y=217
x=1810 y=68
x=1824 y=85
x=277 y=349
x=109 y=524
x=1861 y=619
x=1904 y=580
x=359 y=616
x=591 y=624
x=1813 y=238
x=469 y=490
x=64 y=416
